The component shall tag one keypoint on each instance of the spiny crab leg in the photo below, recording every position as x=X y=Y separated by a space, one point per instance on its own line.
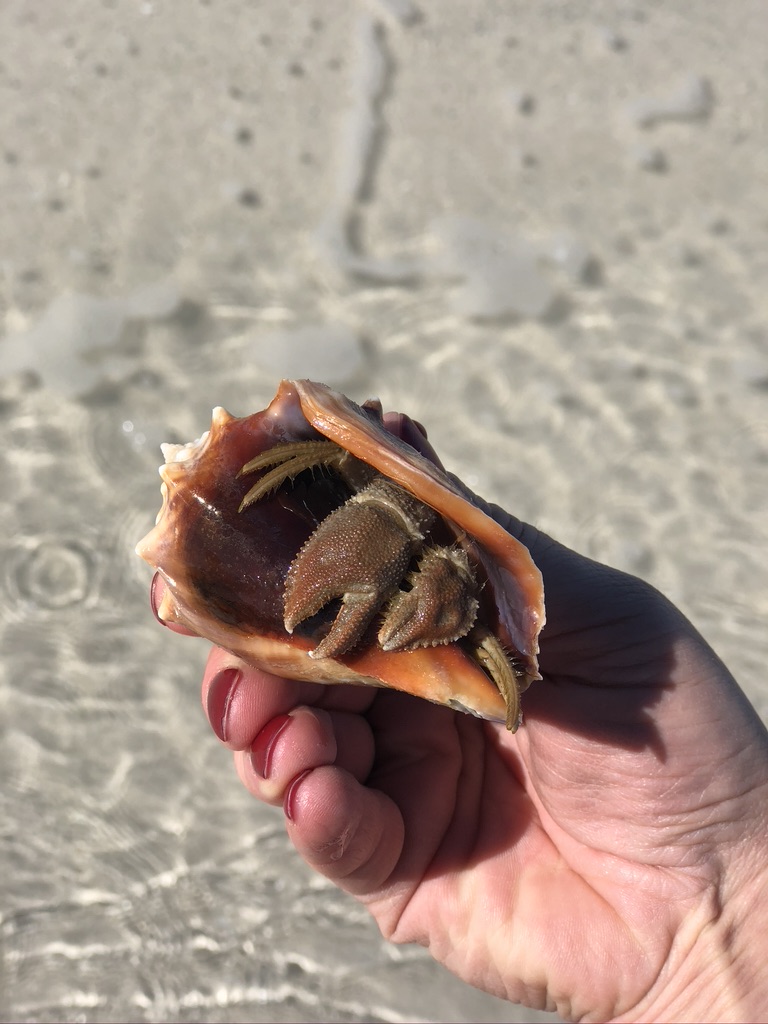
x=494 y=659
x=289 y=460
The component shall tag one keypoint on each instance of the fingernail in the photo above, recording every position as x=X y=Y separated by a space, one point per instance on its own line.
x=263 y=746
x=414 y=434
x=220 y=693
x=289 y=803
x=156 y=594
x=153 y=597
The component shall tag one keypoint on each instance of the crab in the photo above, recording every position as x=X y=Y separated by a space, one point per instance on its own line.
x=313 y=543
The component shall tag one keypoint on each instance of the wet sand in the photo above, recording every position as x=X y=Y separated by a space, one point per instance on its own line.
x=540 y=230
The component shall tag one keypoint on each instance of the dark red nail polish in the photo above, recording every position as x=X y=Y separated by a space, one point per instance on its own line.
x=220 y=693
x=153 y=596
x=156 y=590
x=263 y=746
x=289 y=802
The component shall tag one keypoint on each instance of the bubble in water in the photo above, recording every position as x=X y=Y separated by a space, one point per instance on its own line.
x=136 y=437
x=53 y=574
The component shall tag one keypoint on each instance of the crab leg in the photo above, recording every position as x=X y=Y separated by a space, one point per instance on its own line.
x=289 y=460
x=492 y=656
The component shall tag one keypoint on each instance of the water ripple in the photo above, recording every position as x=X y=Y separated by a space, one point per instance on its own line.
x=51 y=573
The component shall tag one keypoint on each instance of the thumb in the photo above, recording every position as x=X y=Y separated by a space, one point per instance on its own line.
x=349 y=833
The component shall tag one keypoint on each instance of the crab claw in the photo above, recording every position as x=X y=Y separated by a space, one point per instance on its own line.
x=359 y=553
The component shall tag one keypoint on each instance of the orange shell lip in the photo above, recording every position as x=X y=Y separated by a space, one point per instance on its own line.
x=224 y=571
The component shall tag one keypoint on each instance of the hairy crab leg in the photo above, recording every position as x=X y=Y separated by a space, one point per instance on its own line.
x=494 y=659
x=289 y=460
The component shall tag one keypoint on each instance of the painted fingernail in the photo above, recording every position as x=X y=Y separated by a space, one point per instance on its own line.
x=218 y=705
x=289 y=803
x=157 y=590
x=154 y=598
x=263 y=746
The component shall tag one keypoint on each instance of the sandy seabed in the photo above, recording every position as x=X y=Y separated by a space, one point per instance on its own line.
x=541 y=229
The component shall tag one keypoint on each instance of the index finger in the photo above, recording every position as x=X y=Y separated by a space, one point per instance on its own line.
x=239 y=699
x=413 y=433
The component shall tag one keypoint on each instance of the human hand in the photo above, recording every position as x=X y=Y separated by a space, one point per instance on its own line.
x=607 y=861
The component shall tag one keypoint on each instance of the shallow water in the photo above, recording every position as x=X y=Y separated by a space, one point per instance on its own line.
x=199 y=203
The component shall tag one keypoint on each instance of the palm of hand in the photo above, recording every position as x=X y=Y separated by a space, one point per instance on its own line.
x=506 y=873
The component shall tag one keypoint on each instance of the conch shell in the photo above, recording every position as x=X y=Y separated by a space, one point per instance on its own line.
x=228 y=557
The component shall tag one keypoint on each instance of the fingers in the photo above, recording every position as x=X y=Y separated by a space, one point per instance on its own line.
x=157 y=589
x=240 y=700
x=413 y=433
x=352 y=835
x=311 y=761
x=300 y=741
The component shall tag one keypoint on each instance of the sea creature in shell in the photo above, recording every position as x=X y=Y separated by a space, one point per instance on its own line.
x=313 y=543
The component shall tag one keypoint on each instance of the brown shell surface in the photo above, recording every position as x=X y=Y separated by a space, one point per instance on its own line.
x=225 y=570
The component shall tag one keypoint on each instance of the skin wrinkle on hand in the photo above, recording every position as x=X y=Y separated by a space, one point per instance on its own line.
x=336 y=848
